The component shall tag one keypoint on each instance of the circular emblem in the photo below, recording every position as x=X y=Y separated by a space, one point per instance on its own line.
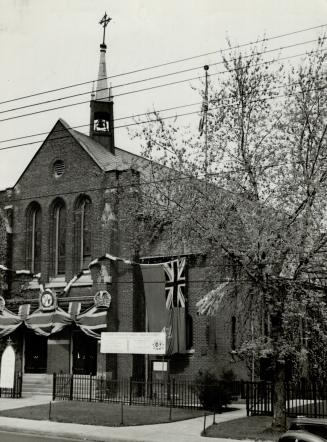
x=158 y=345
x=48 y=300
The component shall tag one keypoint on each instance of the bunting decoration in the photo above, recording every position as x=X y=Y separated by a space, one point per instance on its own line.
x=45 y=323
x=20 y=272
x=111 y=258
x=92 y=321
x=8 y=322
x=74 y=279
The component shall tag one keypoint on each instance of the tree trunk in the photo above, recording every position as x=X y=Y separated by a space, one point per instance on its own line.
x=279 y=411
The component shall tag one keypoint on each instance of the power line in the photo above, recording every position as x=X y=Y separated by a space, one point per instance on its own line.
x=130 y=116
x=145 y=89
x=163 y=76
x=167 y=63
x=164 y=118
x=150 y=88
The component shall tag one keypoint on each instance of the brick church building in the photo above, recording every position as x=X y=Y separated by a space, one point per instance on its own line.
x=68 y=209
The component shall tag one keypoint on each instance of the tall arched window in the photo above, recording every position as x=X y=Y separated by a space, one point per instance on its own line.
x=33 y=237
x=82 y=224
x=58 y=237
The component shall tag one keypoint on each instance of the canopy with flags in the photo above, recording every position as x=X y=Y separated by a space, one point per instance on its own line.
x=164 y=289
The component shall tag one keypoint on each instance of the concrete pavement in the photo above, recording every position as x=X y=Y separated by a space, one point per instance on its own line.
x=183 y=431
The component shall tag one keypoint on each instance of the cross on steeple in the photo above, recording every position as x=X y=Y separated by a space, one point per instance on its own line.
x=104 y=22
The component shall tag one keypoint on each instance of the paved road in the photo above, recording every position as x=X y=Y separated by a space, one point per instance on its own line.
x=8 y=436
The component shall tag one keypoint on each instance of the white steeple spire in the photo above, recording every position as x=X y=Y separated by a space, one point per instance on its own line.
x=102 y=91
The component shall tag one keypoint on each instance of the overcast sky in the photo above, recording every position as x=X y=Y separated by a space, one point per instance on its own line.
x=48 y=44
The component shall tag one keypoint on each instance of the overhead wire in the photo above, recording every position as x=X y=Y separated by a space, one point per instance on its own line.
x=181 y=60
x=143 y=89
x=166 y=75
x=162 y=118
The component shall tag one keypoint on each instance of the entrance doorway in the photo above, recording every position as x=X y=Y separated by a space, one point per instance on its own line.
x=35 y=353
x=84 y=353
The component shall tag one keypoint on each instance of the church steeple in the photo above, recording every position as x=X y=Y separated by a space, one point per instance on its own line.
x=101 y=117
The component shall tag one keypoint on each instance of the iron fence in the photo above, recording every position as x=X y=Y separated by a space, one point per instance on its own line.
x=259 y=400
x=16 y=391
x=169 y=393
x=301 y=399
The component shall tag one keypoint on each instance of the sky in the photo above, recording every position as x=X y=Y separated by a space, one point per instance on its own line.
x=46 y=45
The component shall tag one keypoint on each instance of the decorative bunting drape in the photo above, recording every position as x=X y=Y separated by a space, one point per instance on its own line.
x=91 y=322
x=8 y=322
x=20 y=272
x=47 y=323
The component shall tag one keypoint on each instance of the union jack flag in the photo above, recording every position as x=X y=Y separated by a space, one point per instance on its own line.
x=175 y=283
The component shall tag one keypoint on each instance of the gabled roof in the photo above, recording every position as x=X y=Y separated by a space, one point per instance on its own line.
x=106 y=161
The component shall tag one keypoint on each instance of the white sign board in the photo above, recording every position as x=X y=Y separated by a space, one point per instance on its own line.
x=7 y=373
x=133 y=343
x=160 y=366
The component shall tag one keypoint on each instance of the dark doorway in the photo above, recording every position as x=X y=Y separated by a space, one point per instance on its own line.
x=35 y=353
x=84 y=353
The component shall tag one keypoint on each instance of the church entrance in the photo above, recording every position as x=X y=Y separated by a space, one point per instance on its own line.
x=35 y=353
x=84 y=353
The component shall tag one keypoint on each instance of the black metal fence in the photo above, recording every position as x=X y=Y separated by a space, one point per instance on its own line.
x=259 y=399
x=169 y=393
x=15 y=392
x=301 y=399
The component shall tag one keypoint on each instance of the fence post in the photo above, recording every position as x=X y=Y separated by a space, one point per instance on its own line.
x=247 y=399
x=20 y=378
x=90 y=392
x=174 y=387
x=130 y=390
x=71 y=387
x=54 y=385
x=168 y=389
x=314 y=394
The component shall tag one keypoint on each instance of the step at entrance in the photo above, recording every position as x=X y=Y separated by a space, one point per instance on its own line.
x=37 y=384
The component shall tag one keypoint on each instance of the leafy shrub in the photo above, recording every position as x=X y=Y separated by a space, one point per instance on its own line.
x=214 y=393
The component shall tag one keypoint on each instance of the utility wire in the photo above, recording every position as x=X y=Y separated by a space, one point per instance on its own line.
x=145 y=89
x=168 y=63
x=163 y=76
x=130 y=116
x=168 y=117
x=148 y=88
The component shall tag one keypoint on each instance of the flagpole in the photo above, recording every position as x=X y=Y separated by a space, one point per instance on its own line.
x=205 y=112
x=146 y=356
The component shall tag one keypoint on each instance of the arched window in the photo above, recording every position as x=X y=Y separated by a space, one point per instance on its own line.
x=82 y=224
x=58 y=237
x=33 y=237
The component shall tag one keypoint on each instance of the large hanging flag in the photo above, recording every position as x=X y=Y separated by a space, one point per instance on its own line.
x=164 y=289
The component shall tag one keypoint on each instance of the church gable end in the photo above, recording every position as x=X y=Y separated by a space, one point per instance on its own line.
x=61 y=165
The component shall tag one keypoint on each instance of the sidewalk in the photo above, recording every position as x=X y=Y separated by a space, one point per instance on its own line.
x=183 y=431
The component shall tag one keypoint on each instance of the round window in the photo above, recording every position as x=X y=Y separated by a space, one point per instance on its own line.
x=58 y=168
